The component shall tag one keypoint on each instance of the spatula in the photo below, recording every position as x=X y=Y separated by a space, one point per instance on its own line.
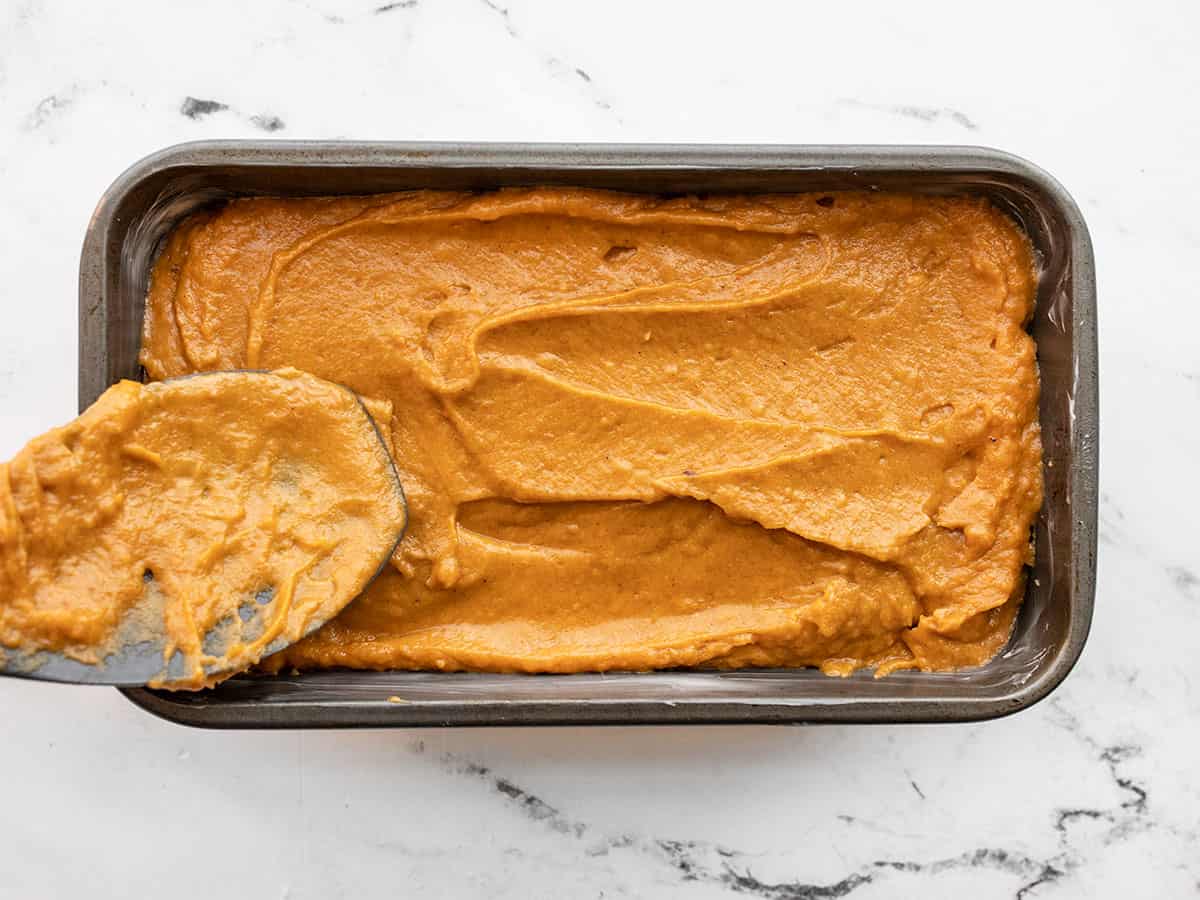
x=178 y=532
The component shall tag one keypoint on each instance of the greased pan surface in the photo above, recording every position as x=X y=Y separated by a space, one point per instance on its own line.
x=144 y=203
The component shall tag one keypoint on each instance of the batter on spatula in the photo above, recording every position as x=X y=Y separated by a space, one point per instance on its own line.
x=177 y=532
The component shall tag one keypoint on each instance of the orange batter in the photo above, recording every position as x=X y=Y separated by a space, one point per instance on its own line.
x=211 y=516
x=638 y=433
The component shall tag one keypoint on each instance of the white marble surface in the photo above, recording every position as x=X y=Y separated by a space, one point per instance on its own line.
x=1093 y=793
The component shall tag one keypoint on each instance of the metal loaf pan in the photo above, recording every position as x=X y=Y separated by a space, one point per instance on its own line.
x=144 y=203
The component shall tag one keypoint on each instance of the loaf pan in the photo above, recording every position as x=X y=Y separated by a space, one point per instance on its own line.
x=146 y=202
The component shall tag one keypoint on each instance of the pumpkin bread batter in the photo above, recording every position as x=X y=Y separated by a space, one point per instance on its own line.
x=640 y=432
x=212 y=516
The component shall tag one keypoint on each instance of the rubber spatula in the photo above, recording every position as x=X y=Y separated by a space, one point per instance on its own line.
x=178 y=532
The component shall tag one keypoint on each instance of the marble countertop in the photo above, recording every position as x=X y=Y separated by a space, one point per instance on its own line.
x=1094 y=792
